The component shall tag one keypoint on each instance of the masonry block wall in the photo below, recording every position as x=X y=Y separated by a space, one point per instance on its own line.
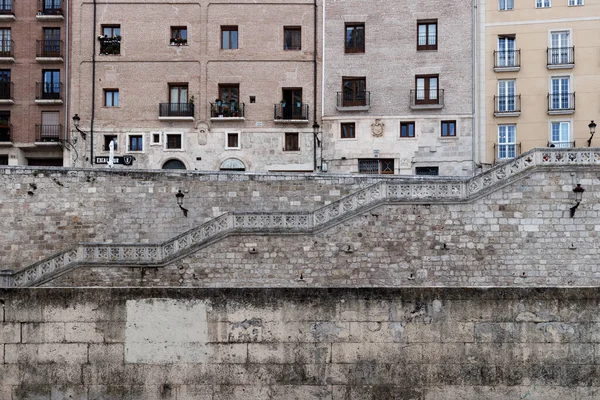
x=334 y=344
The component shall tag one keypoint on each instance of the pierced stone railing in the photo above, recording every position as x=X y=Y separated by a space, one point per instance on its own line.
x=397 y=189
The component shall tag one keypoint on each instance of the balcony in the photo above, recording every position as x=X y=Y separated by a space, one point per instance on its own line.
x=433 y=100
x=7 y=54
x=290 y=113
x=49 y=51
x=176 y=111
x=505 y=152
x=562 y=145
x=507 y=106
x=7 y=11
x=6 y=93
x=561 y=104
x=350 y=101
x=48 y=133
x=48 y=93
x=227 y=112
x=561 y=57
x=50 y=10
x=5 y=133
x=110 y=45
x=507 y=60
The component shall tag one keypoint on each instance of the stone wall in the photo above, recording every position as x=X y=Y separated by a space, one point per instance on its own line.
x=335 y=344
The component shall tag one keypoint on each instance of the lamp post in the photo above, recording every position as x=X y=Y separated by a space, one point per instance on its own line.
x=76 y=121
x=180 y=197
x=578 y=190
x=592 y=126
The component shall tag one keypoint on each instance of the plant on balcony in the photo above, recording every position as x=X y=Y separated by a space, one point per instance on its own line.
x=283 y=102
x=4 y=123
x=110 y=44
x=191 y=101
x=178 y=42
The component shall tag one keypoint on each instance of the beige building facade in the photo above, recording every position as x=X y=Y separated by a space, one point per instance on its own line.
x=538 y=77
x=212 y=86
x=398 y=87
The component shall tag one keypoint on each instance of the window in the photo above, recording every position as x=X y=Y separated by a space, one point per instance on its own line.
x=292 y=36
x=560 y=135
x=506 y=56
x=229 y=95
x=135 y=143
x=111 y=97
x=542 y=3
x=448 y=128
x=355 y=37
x=107 y=140
x=291 y=141
x=156 y=138
x=173 y=141
x=178 y=36
x=6 y=7
x=427 y=90
x=110 y=41
x=354 y=91
x=229 y=37
x=575 y=2
x=505 y=5
x=51 y=129
x=233 y=140
x=292 y=107
x=348 y=130
x=560 y=98
x=5 y=43
x=376 y=166
x=51 y=84
x=51 y=7
x=429 y=171
x=50 y=46
x=506 y=95
x=560 y=51
x=4 y=126
x=427 y=35
x=507 y=147
x=5 y=86
x=407 y=129
x=3 y=158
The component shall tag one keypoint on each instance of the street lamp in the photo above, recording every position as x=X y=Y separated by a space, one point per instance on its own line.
x=180 y=197
x=592 y=127
x=578 y=190
x=76 y=120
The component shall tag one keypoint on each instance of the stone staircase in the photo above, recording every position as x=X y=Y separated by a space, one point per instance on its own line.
x=394 y=190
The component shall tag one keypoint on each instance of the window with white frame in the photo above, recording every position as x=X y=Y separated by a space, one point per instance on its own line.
x=575 y=2
x=542 y=3
x=560 y=134
x=155 y=138
x=505 y=5
x=507 y=146
x=560 y=98
x=560 y=51
x=506 y=95
x=506 y=51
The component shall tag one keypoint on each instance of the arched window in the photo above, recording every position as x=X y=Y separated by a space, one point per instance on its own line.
x=173 y=164
x=232 y=164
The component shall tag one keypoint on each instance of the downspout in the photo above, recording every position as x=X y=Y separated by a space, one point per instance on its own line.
x=67 y=124
x=473 y=88
x=93 y=90
x=315 y=123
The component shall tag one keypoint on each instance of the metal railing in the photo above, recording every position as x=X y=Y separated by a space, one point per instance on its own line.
x=49 y=48
x=227 y=110
x=50 y=7
x=48 y=133
x=506 y=149
x=294 y=111
x=176 y=109
x=507 y=58
x=110 y=45
x=423 y=42
x=5 y=132
x=7 y=8
x=561 y=102
x=48 y=91
x=418 y=98
x=507 y=104
x=562 y=145
x=561 y=55
x=6 y=90
x=7 y=48
x=359 y=99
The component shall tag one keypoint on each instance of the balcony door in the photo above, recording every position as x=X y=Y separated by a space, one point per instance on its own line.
x=51 y=47
x=5 y=42
x=354 y=92
x=5 y=84
x=559 y=52
x=51 y=84
x=506 y=95
x=561 y=134
x=506 y=51
x=559 y=91
x=427 y=89
x=178 y=99
x=50 y=126
x=230 y=99
x=292 y=98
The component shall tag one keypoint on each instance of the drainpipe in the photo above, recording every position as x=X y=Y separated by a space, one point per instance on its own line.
x=67 y=124
x=93 y=89
x=315 y=123
x=473 y=87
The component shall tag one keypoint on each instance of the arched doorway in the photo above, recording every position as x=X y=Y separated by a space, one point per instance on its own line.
x=232 y=164
x=173 y=164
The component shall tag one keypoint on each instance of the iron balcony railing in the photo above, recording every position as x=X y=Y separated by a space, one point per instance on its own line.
x=561 y=102
x=562 y=145
x=6 y=90
x=48 y=91
x=49 y=48
x=427 y=97
x=507 y=58
x=50 y=7
x=176 y=109
x=7 y=48
x=561 y=55
x=110 y=45
x=287 y=111
x=354 y=99
x=227 y=110
x=507 y=104
x=6 y=7
x=48 y=133
x=5 y=131
x=506 y=151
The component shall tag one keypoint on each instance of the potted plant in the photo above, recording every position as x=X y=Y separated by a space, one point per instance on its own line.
x=191 y=100
x=4 y=123
x=283 y=102
x=219 y=102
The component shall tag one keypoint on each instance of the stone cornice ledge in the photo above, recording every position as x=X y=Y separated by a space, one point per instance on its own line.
x=393 y=190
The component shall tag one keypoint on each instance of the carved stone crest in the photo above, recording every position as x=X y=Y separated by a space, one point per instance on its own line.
x=377 y=128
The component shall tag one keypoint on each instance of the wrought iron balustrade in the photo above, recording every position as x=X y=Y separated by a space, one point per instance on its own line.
x=228 y=110
x=294 y=111
x=48 y=91
x=351 y=99
x=49 y=48
x=560 y=56
x=176 y=110
x=561 y=102
x=507 y=59
x=48 y=133
x=507 y=104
